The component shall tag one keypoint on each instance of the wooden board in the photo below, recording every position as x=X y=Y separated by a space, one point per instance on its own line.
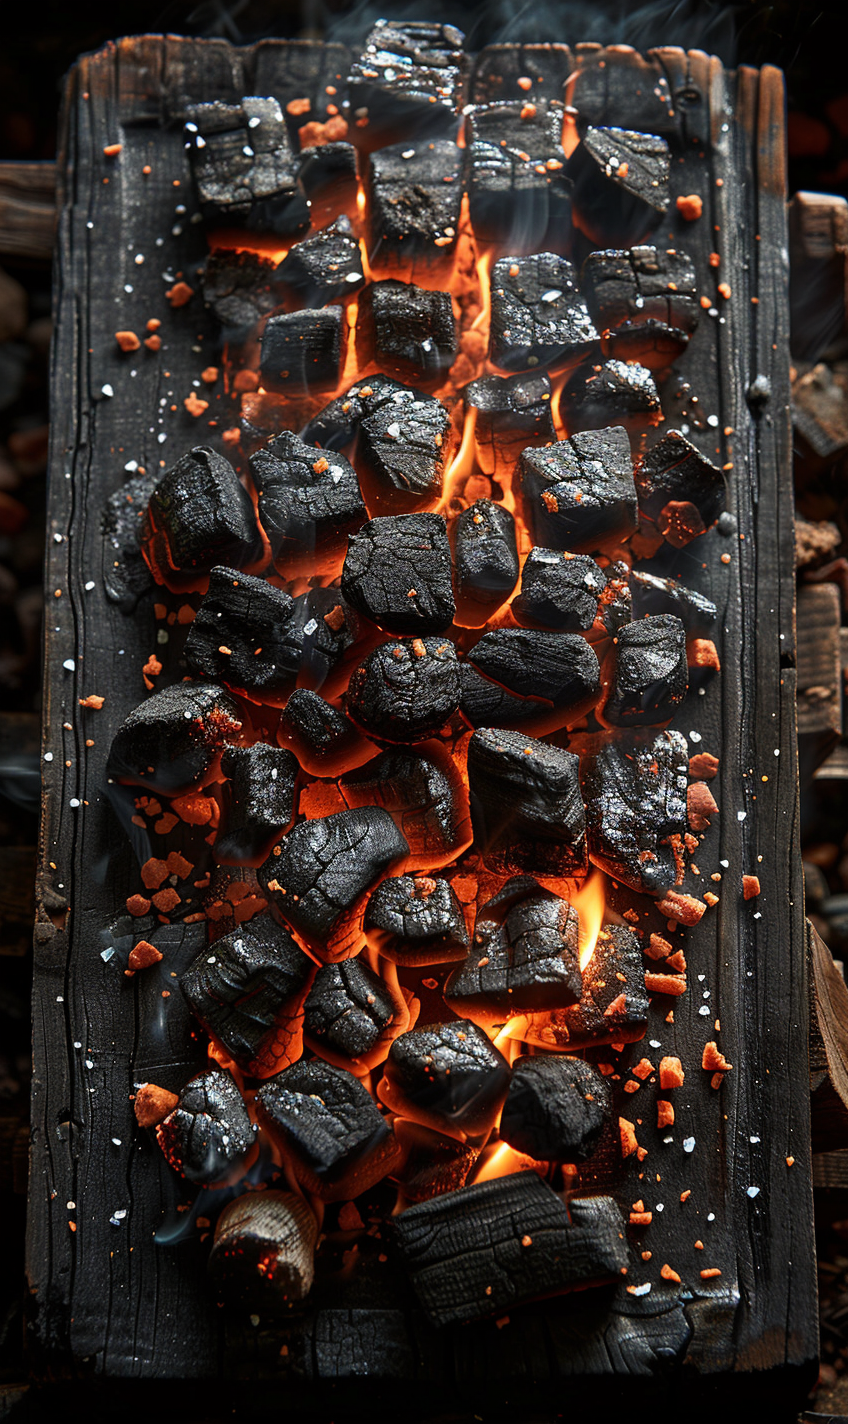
x=107 y=1304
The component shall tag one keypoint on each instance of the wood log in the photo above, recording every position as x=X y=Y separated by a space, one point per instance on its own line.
x=27 y=209
x=818 y=269
x=819 y=674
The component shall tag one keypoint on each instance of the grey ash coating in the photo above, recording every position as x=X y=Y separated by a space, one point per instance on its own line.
x=397 y=571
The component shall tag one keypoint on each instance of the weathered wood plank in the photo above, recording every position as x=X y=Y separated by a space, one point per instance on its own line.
x=27 y=209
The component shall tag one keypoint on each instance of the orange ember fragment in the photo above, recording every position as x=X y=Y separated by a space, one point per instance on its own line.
x=127 y=340
x=321 y=465
x=665 y=1113
x=699 y=1245
x=618 y=1006
x=714 y=1060
x=703 y=653
x=528 y=111
x=684 y=1196
x=153 y=1104
x=677 y=961
x=209 y=376
x=668 y=1274
x=231 y=436
x=137 y=905
x=657 y=947
x=112 y=150
x=627 y=1133
x=714 y=259
x=690 y=206
x=298 y=106
x=549 y=500
x=700 y=805
x=165 y=824
x=178 y=865
x=708 y=1274
x=681 y=907
x=710 y=898
x=680 y=522
x=194 y=405
x=93 y=701
x=153 y=343
x=245 y=381
x=179 y=294
x=154 y=873
x=724 y=290
x=524 y=83
x=644 y=1068
x=335 y=130
x=703 y=765
x=641 y=1218
x=152 y=667
x=166 y=900
x=671 y=1073
x=153 y=324
x=750 y=886
x=665 y=983
x=143 y=954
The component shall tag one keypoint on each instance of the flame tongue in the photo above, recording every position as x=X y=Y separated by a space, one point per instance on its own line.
x=589 y=904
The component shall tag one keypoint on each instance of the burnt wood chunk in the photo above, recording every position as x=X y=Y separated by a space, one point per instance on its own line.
x=415 y=920
x=539 y=672
x=171 y=741
x=405 y=691
x=243 y=166
x=404 y=444
x=672 y=475
x=325 y=267
x=645 y=674
x=579 y=494
x=559 y=590
x=237 y=286
x=508 y=408
x=303 y=350
x=238 y=615
x=126 y=574
x=409 y=83
x=322 y=738
x=258 y=801
x=329 y=1129
x=308 y=499
x=247 y=990
x=620 y=185
x=350 y=1015
x=488 y=1248
x=432 y=1163
x=398 y=572
x=526 y=804
x=199 y=515
x=209 y=1134
x=412 y=328
x=615 y=393
x=325 y=867
x=520 y=71
x=414 y=200
x=539 y=317
x=518 y=194
x=635 y=802
x=613 y=1007
x=335 y=425
x=263 y=1252
x=523 y=957
x=423 y=794
x=486 y=556
x=447 y=1076
x=643 y=301
x=652 y=594
x=556 y=1108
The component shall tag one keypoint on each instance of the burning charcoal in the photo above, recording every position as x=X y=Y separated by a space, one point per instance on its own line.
x=486 y=557
x=303 y=350
x=331 y=167
x=666 y=595
x=321 y=630
x=238 y=634
x=447 y=1076
x=513 y=406
x=352 y=1016
x=487 y=1248
x=423 y=794
x=237 y=286
x=538 y=315
x=336 y=424
x=559 y=671
x=616 y=605
x=409 y=83
x=614 y=1004
x=620 y=185
x=556 y=1109
x=398 y=573
x=646 y=676
x=635 y=802
x=258 y=802
x=208 y=1135
x=432 y=1163
x=526 y=804
x=325 y=267
x=263 y=1252
x=243 y=166
x=318 y=876
x=170 y=742
x=523 y=957
x=411 y=327
x=518 y=194
x=404 y=445
x=126 y=575
x=579 y=494
x=616 y=392
x=248 y=991
x=329 y=1129
x=199 y=515
x=414 y=199
x=404 y=692
x=308 y=498
x=644 y=301
x=559 y=590
x=415 y=920
x=516 y=71
x=322 y=738
x=675 y=474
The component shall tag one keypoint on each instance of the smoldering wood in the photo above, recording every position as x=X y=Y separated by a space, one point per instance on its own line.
x=432 y=1163
x=336 y=424
x=613 y=1005
x=404 y=444
x=511 y=406
x=620 y=182
x=303 y=350
x=414 y=199
x=560 y=668
x=348 y=1010
x=518 y=195
x=263 y=1254
x=322 y=738
x=617 y=393
x=325 y=267
x=485 y=556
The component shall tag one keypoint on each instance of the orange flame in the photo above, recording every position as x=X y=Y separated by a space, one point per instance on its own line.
x=484 y=265
x=462 y=464
x=589 y=903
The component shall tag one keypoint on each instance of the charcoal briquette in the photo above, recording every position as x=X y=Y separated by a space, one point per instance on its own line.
x=238 y=634
x=531 y=674
x=257 y=801
x=652 y=594
x=614 y=393
x=408 y=83
x=303 y=350
x=526 y=804
x=209 y=1134
x=423 y=793
x=538 y=317
x=416 y=920
x=579 y=494
x=432 y=1163
x=614 y=1004
x=170 y=742
x=308 y=499
x=335 y=425
x=350 y=1015
x=243 y=166
x=414 y=200
x=645 y=674
x=510 y=407
x=321 y=630
x=501 y=71
x=404 y=445
x=635 y=798
x=620 y=182
x=447 y=1076
x=325 y=267
x=556 y=1108
x=329 y=168
x=126 y=575
x=518 y=194
x=674 y=471
x=405 y=691
x=486 y=556
x=398 y=573
x=199 y=514
x=412 y=329
x=237 y=286
x=559 y=590
x=322 y=738
x=644 y=302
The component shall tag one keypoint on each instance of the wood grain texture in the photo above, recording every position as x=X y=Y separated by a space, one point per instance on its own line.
x=27 y=209
x=109 y=1303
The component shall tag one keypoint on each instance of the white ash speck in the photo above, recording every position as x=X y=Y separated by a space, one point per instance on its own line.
x=695 y=736
x=725 y=864
x=116 y=1141
x=688 y=1144
x=106 y=955
x=753 y=1191
x=741 y=815
x=310 y=627
x=710 y=1216
x=668 y=1140
x=162 y=635
x=660 y=1206
x=48 y=756
x=654 y=1043
x=106 y=390
x=641 y=1290
x=704 y=1010
x=71 y=1205
x=69 y=665
x=753 y=1139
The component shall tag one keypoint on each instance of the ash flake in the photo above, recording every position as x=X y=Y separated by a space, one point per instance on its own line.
x=117 y=1216
x=741 y=815
x=688 y=1144
x=90 y=585
x=641 y=1290
x=69 y=665
x=106 y=955
x=106 y=390
x=704 y=1010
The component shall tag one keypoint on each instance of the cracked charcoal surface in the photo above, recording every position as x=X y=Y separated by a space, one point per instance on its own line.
x=336 y=424
x=237 y=286
x=617 y=392
x=243 y=166
x=199 y=515
x=404 y=444
x=325 y=267
x=414 y=200
x=405 y=691
x=447 y=1076
x=432 y=1162
x=560 y=668
x=303 y=350
x=498 y=68
x=647 y=675
x=258 y=801
x=675 y=470
x=410 y=326
x=321 y=737
x=209 y=1132
x=242 y=613
x=523 y=957
x=614 y=1004
x=324 y=868
x=538 y=314
x=616 y=606
x=347 y=1010
x=248 y=990
x=424 y=796
x=645 y=302
x=329 y=1127
x=485 y=553
x=620 y=185
x=416 y=920
x=170 y=741
x=559 y=591
x=307 y=498
x=398 y=572
x=318 y=634
x=635 y=799
x=666 y=595
x=579 y=494
x=555 y=1109
x=126 y=575
x=518 y=194
x=511 y=405
x=526 y=804
x=409 y=82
